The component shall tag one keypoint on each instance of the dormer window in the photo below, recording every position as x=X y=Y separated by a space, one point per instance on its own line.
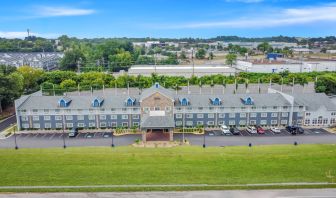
x=64 y=102
x=97 y=102
x=215 y=101
x=248 y=101
x=130 y=101
x=184 y=101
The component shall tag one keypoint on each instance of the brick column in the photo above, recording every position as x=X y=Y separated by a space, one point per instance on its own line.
x=144 y=136
x=171 y=135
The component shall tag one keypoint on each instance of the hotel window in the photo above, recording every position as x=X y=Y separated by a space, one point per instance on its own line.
x=325 y=121
x=68 y=110
x=232 y=122
x=253 y=115
x=243 y=115
x=135 y=116
x=136 y=109
x=275 y=107
x=36 y=126
x=200 y=108
x=57 y=111
x=178 y=109
x=69 y=117
x=81 y=125
x=211 y=108
x=189 y=115
x=210 y=123
x=102 y=117
x=102 y=110
x=92 y=117
x=178 y=115
x=168 y=108
x=314 y=121
x=243 y=108
x=124 y=109
x=333 y=114
x=221 y=123
x=79 y=110
x=263 y=122
x=263 y=107
x=189 y=123
x=274 y=122
x=35 y=110
x=92 y=124
x=253 y=122
x=114 y=117
x=333 y=121
x=113 y=124
x=47 y=125
x=80 y=117
x=274 y=115
x=36 y=118
x=200 y=123
x=283 y=122
x=307 y=121
x=25 y=126
x=59 y=125
x=58 y=117
x=284 y=107
x=135 y=124
x=124 y=117
x=232 y=115
x=263 y=115
x=308 y=114
x=242 y=122
x=113 y=109
x=221 y=115
x=46 y=111
x=200 y=115
x=178 y=123
x=103 y=124
x=319 y=121
x=24 y=118
x=300 y=107
x=253 y=108
x=211 y=115
x=46 y=117
x=300 y=114
x=189 y=108
x=69 y=125
x=284 y=114
x=157 y=108
x=146 y=109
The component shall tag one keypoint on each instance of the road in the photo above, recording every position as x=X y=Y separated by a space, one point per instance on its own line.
x=297 y=193
x=56 y=140
x=7 y=122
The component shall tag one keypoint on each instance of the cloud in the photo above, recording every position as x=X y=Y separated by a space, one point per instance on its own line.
x=24 y=34
x=49 y=11
x=284 y=17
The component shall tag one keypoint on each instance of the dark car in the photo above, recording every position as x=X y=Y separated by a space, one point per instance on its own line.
x=234 y=131
x=73 y=132
x=295 y=130
x=260 y=130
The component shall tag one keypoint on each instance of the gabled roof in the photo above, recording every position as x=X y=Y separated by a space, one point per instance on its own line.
x=159 y=122
x=154 y=89
x=314 y=101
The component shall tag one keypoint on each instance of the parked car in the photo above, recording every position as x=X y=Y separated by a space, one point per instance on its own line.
x=225 y=130
x=275 y=130
x=234 y=131
x=300 y=130
x=73 y=132
x=260 y=130
x=251 y=129
x=295 y=130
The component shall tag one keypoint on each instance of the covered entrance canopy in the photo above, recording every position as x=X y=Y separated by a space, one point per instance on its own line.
x=157 y=128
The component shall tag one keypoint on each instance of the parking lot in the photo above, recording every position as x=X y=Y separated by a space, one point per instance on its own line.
x=268 y=132
x=52 y=136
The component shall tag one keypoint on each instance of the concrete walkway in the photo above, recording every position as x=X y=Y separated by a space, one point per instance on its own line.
x=298 y=193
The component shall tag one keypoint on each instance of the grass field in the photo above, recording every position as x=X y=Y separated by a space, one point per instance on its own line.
x=180 y=165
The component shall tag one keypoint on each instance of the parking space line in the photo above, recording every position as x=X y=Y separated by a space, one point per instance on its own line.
x=271 y=132
x=52 y=136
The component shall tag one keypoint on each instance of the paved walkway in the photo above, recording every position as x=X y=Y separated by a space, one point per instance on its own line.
x=298 y=193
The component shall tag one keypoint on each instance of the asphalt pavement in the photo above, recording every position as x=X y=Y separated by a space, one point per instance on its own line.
x=7 y=122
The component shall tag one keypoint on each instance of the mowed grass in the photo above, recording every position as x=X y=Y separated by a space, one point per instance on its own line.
x=180 y=165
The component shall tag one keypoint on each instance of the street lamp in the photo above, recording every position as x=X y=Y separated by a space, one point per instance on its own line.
x=204 y=140
x=63 y=135
x=16 y=146
x=112 y=144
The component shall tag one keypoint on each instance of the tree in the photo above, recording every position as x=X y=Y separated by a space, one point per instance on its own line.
x=66 y=84
x=200 y=54
x=326 y=83
x=183 y=55
x=211 y=55
x=31 y=77
x=265 y=47
x=11 y=87
x=71 y=60
x=121 y=59
x=231 y=59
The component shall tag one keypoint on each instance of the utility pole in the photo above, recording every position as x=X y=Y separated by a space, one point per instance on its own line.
x=192 y=59
x=78 y=66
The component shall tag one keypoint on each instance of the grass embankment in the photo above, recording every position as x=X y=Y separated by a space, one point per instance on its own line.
x=180 y=165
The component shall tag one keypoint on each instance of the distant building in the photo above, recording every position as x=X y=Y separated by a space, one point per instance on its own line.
x=43 y=60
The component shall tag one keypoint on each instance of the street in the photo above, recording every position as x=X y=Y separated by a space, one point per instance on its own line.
x=7 y=122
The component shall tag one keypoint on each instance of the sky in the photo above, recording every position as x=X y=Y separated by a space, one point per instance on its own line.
x=167 y=18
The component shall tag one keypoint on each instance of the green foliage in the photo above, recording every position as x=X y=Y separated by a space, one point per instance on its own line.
x=200 y=54
x=231 y=59
x=31 y=78
x=72 y=60
x=66 y=84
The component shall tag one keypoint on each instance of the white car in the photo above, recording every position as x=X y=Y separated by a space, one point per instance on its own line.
x=225 y=130
x=251 y=129
x=275 y=130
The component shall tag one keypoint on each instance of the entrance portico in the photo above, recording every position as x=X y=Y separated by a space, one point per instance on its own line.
x=157 y=128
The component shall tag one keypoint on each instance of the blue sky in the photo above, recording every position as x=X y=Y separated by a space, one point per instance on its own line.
x=168 y=18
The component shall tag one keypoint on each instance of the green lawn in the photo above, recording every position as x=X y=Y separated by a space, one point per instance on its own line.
x=180 y=165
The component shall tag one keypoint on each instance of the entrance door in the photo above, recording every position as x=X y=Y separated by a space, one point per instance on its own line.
x=157 y=135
